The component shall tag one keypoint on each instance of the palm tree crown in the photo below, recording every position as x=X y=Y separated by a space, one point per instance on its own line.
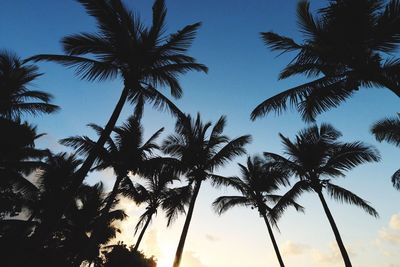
x=314 y=158
x=200 y=154
x=259 y=179
x=155 y=193
x=15 y=96
x=144 y=57
x=388 y=130
x=127 y=151
x=348 y=45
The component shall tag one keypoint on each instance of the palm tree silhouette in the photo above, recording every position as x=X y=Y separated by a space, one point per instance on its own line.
x=259 y=179
x=388 y=130
x=155 y=193
x=315 y=158
x=18 y=158
x=126 y=152
x=200 y=155
x=15 y=95
x=144 y=57
x=348 y=45
x=73 y=235
x=85 y=218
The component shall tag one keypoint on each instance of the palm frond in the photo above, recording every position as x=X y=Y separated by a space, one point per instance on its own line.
x=85 y=68
x=277 y=42
x=388 y=130
x=232 y=149
x=224 y=203
x=343 y=195
x=396 y=179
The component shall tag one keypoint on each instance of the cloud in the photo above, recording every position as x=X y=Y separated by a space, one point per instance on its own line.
x=391 y=233
x=331 y=256
x=212 y=238
x=190 y=259
x=290 y=248
x=394 y=222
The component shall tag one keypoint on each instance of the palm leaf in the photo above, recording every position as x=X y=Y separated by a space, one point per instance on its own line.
x=344 y=195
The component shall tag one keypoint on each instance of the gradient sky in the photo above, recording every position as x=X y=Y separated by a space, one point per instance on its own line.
x=243 y=72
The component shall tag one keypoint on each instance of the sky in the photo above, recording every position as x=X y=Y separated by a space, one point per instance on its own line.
x=242 y=73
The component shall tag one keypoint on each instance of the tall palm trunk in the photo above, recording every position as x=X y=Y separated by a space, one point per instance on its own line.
x=179 y=250
x=77 y=179
x=271 y=235
x=142 y=233
x=339 y=241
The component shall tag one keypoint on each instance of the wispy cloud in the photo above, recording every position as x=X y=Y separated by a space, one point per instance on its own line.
x=212 y=238
x=191 y=259
x=331 y=256
x=391 y=233
x=290 y=248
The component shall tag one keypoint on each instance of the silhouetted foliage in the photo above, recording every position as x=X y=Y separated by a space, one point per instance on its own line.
x=259 y=179
x=314 y=158
x=200 y=154
x=15 y=96
x=155 y=193
x=18 y=159
x=347 y=45
x=388 y=130
x=121 y=256
x=144 y=57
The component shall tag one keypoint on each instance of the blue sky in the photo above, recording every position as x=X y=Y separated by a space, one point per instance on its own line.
x=243 y=72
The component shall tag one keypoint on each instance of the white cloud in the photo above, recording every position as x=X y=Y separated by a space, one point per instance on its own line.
x=332 y=256
x=191 y=259
x=394 y=222
x=291 y=248
x=211 y=238
x=391 y=233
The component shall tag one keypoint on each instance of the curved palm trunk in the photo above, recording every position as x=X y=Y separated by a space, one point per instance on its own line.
x=271 y=235
x=46 y=228
x=142 y=233
x=179 y=250
x=339 y=241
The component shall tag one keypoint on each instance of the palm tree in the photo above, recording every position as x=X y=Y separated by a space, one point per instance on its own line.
x=314 y=159
x=84 y=218
x=156 y=193
x=144 y=57
x=18 y=158
x=126 y=152
x=388 y=130
x=120 y=256
x=15 y=95
x=200 y=154
x=349 y=44
x=74 y=234
x=259 y=179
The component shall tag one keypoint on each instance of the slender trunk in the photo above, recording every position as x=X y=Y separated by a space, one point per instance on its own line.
x=46 y=228
x=339 y=241
x=113 y=195
x=185 y=229
x=271 y=235
x=142 y=233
